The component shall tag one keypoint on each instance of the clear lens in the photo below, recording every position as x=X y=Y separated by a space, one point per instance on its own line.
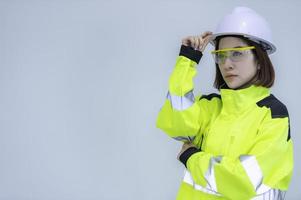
x=233 y=55
x=220 y=57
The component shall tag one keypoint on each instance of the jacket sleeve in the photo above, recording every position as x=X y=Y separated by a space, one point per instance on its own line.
x=267 y=168
x=179 y=116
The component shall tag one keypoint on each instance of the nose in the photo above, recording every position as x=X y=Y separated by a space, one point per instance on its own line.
x=228 y=64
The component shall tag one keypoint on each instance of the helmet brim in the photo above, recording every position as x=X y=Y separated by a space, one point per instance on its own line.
x=266 y=45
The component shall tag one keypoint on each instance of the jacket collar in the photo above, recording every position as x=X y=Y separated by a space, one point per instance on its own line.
x=236 y=101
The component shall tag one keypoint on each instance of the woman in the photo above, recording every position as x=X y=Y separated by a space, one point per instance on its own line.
x=237 y=144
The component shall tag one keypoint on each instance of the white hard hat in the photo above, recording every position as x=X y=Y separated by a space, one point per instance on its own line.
x=246 y=22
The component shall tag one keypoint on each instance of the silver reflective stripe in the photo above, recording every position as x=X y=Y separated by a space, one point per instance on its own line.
x=182 y=138
x=254 y=172
x=209 y=176
x=255 y=175
x=188 y=179
x=181 y=102
x=272 y=194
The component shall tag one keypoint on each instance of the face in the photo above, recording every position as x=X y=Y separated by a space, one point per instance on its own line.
x=237 y=74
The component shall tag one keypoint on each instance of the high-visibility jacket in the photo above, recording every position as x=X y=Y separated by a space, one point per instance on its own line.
x=242 y=137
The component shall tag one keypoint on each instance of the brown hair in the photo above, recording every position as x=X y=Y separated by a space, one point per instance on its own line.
x=265 y=75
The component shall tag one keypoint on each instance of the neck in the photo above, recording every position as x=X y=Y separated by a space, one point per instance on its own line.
x=253 y=81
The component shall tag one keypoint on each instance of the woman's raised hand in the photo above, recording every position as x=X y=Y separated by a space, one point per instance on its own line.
x=198 y=42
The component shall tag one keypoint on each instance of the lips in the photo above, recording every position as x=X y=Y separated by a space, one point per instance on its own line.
x=230 y=75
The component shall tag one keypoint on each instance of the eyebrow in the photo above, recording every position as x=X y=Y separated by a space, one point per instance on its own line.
x=233 y=47
x=237 y=46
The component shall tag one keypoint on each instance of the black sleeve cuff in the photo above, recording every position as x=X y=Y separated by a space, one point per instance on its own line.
x=190 y=53
x=187 y=153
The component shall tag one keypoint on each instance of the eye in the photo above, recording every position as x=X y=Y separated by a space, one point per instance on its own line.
x=237 y=53
x=221 y=55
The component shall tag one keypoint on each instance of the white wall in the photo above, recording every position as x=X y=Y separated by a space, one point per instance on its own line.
x=81 y=83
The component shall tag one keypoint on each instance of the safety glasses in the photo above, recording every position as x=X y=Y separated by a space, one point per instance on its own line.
x=234 y=54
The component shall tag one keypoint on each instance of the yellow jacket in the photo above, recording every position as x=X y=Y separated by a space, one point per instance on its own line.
x=244 y=150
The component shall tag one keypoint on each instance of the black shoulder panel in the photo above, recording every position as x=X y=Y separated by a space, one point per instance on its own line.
x=210 y=96
x=278 y=109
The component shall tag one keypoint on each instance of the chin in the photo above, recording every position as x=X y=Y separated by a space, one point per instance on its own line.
x=233 y=85
x=237 y=86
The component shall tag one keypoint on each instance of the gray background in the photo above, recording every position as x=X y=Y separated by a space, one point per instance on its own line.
x=81 y=83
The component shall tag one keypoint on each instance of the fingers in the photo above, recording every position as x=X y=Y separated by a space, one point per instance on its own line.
x=185 y=42
x=188 y=41
x=206 y=41
x=206 y=34
x=184 y=148
x=186 y=145
x=198 y=42
x=208 y=38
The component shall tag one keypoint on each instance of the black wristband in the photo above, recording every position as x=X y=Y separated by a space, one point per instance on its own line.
x=190 y=53
x=187 y=153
